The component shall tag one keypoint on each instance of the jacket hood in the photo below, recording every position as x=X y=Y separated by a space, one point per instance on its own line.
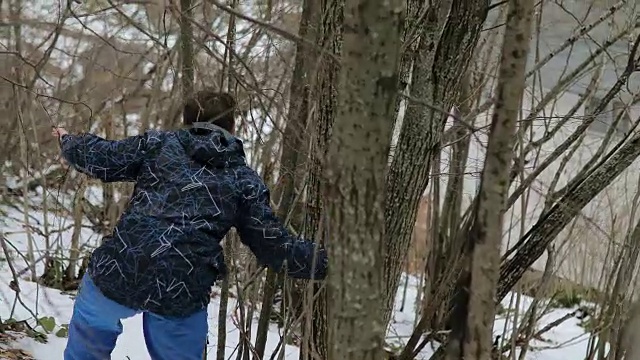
x=211 y=145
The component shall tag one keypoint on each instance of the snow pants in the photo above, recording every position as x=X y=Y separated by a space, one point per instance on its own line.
x=95 y=326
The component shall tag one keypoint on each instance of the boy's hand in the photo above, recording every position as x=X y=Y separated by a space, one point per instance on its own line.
x=59 y=132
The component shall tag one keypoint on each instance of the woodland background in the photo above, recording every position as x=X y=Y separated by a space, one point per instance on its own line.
x=452 y=147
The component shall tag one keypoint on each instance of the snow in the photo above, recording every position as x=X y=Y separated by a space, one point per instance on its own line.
x=566 y=341
x=130 y=344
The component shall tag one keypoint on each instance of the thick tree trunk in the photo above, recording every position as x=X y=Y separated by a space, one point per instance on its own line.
x=471 y=336
x=355 y=183
x=314 y=324
x=448 y=37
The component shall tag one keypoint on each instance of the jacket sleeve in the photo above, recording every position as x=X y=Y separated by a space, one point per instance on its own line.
x=264 y=234
x=107 y=160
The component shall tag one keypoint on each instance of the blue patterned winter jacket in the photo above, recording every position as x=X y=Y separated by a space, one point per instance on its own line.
x=192 y=186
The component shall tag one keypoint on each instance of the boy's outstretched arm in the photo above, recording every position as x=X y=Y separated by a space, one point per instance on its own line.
x=107 y=160
x=272 y=244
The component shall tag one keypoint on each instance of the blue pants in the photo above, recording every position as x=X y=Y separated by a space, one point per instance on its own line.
x=95 y=327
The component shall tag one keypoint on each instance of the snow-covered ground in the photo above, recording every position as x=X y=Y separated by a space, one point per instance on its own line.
x=566 y=341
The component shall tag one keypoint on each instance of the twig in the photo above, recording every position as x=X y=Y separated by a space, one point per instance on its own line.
x=14 y=284
x=454 y=115
x=284 y=33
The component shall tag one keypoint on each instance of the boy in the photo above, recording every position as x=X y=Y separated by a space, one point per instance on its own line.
x=192 y=186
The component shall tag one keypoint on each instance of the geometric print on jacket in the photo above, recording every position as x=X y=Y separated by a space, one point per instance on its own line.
x=191 y=187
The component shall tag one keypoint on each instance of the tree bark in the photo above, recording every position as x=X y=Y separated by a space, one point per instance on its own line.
x=447 y=40
x=314 y=343
x=186 y=51
x=630 y=346
x=355 y=183
x=230 y=239
x=472 y=338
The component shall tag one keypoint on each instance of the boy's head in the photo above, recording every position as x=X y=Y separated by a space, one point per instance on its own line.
x=211 y=106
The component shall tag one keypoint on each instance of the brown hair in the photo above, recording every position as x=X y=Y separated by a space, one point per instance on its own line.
x=211 y=106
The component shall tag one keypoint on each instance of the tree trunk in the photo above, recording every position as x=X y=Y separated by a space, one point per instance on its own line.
x=15 y=9
x=355 y=183
x=78 y=216
x=471 y=338
x=615 y=309
x=186 y=51
x=293 y=160
x=231 y=239
x=630 y=345
x=450 y=31
x=109 y=210
x=314 y=296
